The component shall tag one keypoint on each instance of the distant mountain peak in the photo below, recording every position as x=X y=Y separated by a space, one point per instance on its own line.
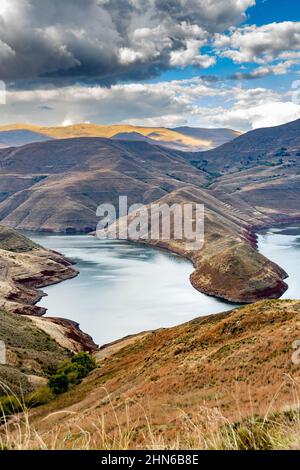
x=185 y=138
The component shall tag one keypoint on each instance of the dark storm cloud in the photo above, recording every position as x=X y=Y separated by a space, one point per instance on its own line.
x=108 y=40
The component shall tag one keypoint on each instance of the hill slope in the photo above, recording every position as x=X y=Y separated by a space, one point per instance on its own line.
x=260 y=168
x=58 y=185
x=33 y=345
x=273 y=145
x=29 y=353
x=19 y=137
x=234 y=365
x=218 y=137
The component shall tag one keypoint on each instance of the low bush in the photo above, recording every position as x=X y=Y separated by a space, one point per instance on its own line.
x=253 y=434
x=71 y=372
x=68 y=374
x=39 y=397
x=9 y=405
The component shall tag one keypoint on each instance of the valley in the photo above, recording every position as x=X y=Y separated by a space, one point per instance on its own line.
x=52 y=189
x=57 y=186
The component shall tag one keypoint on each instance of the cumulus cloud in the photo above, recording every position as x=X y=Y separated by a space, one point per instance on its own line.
x=275 y=47
x=279 y=68
x=271 y=113
x=193 y=102
x=261 y=44
x=108 y=39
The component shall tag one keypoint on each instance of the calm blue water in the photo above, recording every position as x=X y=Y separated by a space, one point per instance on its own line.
x=282 y=245
x=123 y=288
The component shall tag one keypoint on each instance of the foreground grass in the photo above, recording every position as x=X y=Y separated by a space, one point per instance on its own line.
x=211 y=431
x=221 y=382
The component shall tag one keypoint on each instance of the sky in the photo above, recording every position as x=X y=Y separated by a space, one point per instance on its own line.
x=200 y=63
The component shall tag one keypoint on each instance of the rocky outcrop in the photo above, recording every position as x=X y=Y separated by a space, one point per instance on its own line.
x=66 y=333
x=238 y=273
x=25 y=269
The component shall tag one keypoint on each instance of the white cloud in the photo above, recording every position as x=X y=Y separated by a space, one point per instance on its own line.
x=275 y=47
x=187 y=102
x=271 y=113
x=109 y=40
x=260 y=44
x=190 y=56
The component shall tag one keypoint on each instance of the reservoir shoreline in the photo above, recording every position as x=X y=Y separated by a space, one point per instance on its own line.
x=254 y=237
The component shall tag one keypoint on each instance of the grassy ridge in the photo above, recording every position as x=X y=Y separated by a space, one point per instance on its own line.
x=224 y=381
x=30 y=351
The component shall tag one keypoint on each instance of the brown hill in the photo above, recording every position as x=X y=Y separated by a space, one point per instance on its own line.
x=58 y=185
x=19 y=137
x=169 y=387
x=75 y=176
x=33 y=345
x=25 y=267
x=273 y=145
x=217 y=136
x=260 y=168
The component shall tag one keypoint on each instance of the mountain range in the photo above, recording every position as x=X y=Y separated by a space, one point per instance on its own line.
x=19 y=137
x=185 y=138
x=198 y=383
x=245 y=184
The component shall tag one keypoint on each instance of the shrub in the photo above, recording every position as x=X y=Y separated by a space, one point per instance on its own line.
x=59 y=383
x=71 y=372
x=253 y=435
x=85 y=360
x=39 y=397
x=9 y=405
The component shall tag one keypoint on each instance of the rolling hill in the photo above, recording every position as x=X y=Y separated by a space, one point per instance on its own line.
x=225 y=381
x=19 y=137
x=170 y=138
x=58 y=185
x=217 y=136
x=260 y=168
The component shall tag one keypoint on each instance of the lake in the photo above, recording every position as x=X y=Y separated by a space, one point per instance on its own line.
x=282 y=245
x=123 y=288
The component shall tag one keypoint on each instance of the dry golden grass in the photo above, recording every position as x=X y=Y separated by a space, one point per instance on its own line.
x=187 y=387
x=209 y=430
